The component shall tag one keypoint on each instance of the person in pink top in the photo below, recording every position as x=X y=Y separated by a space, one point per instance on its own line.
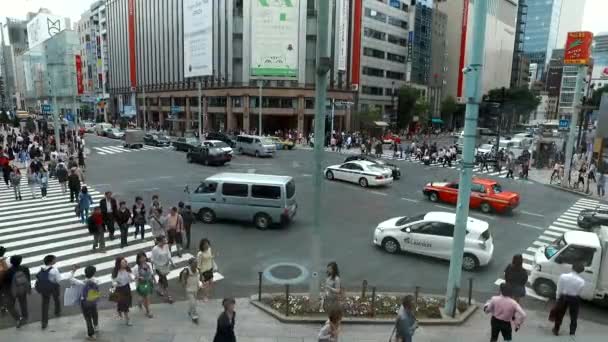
x=504 y=309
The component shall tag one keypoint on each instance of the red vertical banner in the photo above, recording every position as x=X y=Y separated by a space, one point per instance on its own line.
x=356 y=52
x=463 y=46
x=79 y=84
x=131 y=28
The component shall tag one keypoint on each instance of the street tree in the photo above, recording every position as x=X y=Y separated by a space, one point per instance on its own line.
x=449 y=106
x=421 y=110
x=407 y=98
x=517 y=104
x=4 y=119
x=596 y=98
x=367 y=118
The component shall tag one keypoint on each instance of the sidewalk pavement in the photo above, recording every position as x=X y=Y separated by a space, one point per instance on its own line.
x=543 y=176
x=171 y=324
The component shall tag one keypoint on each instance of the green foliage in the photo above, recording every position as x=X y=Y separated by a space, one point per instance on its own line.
x=449 y=105
x=16 y=121
x=124 y=123
x=406 y=107
x=597 y=96
x=517 y=103
x=421 y=109
x=367 y=118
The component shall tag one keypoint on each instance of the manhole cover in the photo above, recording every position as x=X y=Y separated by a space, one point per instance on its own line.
x=286 y=273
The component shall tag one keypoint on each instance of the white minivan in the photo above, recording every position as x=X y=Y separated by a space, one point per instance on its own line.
x=261 y=199
x=255 y=145
x=101 y=128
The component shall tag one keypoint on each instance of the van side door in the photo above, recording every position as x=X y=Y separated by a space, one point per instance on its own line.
x=234 y=201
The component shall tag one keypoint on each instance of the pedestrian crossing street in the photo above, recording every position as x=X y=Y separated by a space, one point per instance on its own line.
x=107 y=150
x=37 y=227
x=566 y=222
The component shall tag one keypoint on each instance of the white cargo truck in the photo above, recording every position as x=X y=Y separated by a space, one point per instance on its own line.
x=557 y=258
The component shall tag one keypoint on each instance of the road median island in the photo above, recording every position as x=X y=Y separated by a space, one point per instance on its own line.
x=359 y=309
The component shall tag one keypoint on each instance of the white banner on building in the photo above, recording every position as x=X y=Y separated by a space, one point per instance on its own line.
x=343 y=19
x=198 y=38
x=42 y=27
x=274 y=37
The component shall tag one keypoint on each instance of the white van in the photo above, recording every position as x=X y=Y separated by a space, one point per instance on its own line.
x=100 y=128
x=261 y=199
x=255 y=145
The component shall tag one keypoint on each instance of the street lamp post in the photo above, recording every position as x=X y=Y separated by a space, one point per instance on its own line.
x=143 y=91
x=261 y=83
x=333 y=114
x=200 y=111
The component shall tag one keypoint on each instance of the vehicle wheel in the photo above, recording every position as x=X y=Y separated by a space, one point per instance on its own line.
x=433 y=197
x=257 y=154
x=189 y=158
x=240 y=150
x=545 y=288
x=390 y=245
x=469 y=262
x=329 y=175
x=206 y=162
x=206 y=215
x=485 y=208
x=262 y=221
x=363 y=182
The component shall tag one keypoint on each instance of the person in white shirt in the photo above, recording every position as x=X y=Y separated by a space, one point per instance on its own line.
x=47 y=285
x=121 y=280
x=190 y=279
x=88 y=299
x=569 y=287
x=161 y=259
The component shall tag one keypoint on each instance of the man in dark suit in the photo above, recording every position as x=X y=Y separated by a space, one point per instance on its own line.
x=109 y=208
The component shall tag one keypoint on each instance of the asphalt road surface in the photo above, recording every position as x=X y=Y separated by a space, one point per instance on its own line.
x=350 y=214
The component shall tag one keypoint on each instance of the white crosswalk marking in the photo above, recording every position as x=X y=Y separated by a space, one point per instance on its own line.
x=565 y=223
x=37 y=227
x=116 y=149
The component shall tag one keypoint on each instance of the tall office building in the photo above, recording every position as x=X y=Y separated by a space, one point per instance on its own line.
x=437 y=80
x=13 y=44
x=237 y=50
x=93 y=34
x=599 y=76
x=542 y=29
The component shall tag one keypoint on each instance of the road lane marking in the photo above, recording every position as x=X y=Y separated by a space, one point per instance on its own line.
x=410 y=200
x=529 y=292
x=549 y=232
x=530 y=226
x=531 y=214
x=378 y=193
x=444 y=207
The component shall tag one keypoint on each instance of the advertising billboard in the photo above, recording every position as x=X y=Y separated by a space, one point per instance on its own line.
x=79 y=84
x=42 y=27
x=343 y=18
x=578 y=48
x=131 y=36
x=198 y=38
x=275 y=28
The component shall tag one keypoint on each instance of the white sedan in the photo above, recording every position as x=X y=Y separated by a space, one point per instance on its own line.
x=362 y=172
x=219 y=144
x=431 y=234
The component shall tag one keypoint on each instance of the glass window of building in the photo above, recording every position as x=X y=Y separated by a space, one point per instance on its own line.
x=397 y=22
x=373 y=14
x=397 y=40
x=368 y=32
x=371 y=90
x=373 y=72
x=370 y=52
x=395 y=57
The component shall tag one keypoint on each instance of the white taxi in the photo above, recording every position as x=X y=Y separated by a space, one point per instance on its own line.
x=431 y=234
x=219 y=144
x=362 y=172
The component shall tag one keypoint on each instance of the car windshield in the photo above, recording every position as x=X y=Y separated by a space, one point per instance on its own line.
x=485 y=147
x=405 y=220
x=192 y=141
x=220 y=144
x=555 y=247
x=267 y=141
x=497 y=188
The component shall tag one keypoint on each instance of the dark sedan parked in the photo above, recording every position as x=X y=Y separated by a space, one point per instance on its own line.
x=221 y=137
x=186 y=144
x=156 y=140
x=394 y=168
x=208 y=156
x=590 y=218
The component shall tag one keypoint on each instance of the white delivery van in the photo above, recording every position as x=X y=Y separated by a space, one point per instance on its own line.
x=555 y=259
x=100 y=128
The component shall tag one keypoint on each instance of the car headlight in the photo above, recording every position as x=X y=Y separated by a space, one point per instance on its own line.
x=380 y=229
x=537 y=268
x=482 y=245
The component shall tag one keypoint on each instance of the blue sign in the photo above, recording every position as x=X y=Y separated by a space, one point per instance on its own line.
x=69 y=117
x=46 y=108
x=395 y=3
x=564 y=123
x=176 y=109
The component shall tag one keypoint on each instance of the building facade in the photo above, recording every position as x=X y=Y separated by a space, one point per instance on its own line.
x=542 y=29
x=599 y=76
x=422 y=44
x=93 y=35
x=520 y=71
x=498 y=53
x=553 y=81
x=437 y=82
x=386 y=48
x=12 y=45
x=146 y=65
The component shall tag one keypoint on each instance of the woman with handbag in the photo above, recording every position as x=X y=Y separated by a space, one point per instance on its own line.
x=121 y=279
x=333 y=288
x=161 y=259
x=144 y=277
x=406 y=323
x=205 y=261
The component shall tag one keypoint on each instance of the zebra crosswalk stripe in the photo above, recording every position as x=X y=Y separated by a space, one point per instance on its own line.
x=38 y=227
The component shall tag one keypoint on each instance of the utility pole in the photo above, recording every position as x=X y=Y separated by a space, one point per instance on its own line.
x=322 y=70
x=260 y=109
x=473 y=74
x=200 y=110
x=582 y=71
x=143 y=91
x=56 y=124
x=333 y=114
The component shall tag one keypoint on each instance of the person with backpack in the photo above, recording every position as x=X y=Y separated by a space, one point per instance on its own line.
x=144 y=276
x=74 y=184
x=121 y=280
x=47 y=285
x=89 y=296
x=189 y=277
x=139 y=216
x=123 y=219
x=17 y=287
x=188 y=218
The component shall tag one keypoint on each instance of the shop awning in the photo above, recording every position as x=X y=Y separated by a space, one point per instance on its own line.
x=437 y=120
x=380 y=123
